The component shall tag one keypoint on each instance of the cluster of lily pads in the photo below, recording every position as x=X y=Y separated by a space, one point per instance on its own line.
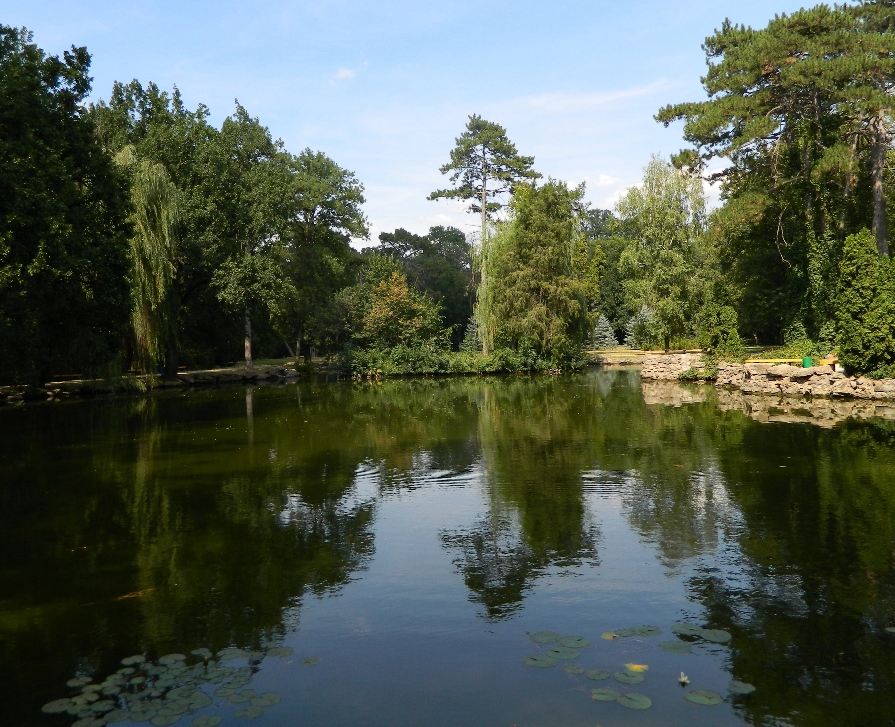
x=167 y=690
x=567 y=648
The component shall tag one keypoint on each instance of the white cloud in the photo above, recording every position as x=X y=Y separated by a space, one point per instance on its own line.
x=345 y=73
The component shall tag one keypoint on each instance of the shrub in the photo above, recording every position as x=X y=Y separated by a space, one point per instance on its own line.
x=718 y=334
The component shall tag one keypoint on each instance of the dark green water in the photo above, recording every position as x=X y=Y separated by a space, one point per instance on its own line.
x=411 y=533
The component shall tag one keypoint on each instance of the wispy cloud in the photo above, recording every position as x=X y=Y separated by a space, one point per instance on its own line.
x=345 y=73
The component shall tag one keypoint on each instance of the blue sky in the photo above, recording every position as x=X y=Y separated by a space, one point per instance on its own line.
x=383 y=87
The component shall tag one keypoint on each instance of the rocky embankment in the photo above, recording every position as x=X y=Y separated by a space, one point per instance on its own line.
x=56 y=390
x=821 y=412
x=772 y=379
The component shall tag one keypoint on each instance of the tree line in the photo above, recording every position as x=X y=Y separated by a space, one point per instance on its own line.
x=134 y=234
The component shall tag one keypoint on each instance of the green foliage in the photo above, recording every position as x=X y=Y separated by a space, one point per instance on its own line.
x=865 y=306
x=64 y=299
x=718 y=331
x=532 y=298
x=484 y=164
x=640 y=331
x=663 y=221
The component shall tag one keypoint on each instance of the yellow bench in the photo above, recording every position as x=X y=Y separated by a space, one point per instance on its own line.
x=774 y=360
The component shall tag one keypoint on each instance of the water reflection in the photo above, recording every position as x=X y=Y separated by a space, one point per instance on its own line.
x=173 y=522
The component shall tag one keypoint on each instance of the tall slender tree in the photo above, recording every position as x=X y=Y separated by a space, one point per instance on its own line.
x=484 y=165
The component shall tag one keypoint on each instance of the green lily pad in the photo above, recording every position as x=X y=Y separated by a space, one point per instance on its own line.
x=116 y=715
x=604 y=695
x=232 y=652
x=675 y=647
x=78 y=682
x=704 y=696
x=224 y=691
x=310 y=660
x=682 y=629
x=545 y=637
x=86 y=697
x=738 y=687
x=281 y=651
x=203 y=652
x=172 y=709
x=131 y=660
x=563 y=652
x=633 y=700
x=137 y=681
x=250 y=712
x=142 y=715
x=169 y=659
x=716 y=636
x=573 y=669
x=624 y=633
x=268 y=699
x=89 y=722
x=104 y=705
x=182 y=692
x=539 y=660
x=165 y=719
x=199 y=701
x=573 y=642
x=112 y=690
x=246 y=695
x=126 y=671
x=646 y=630
x=627 y=677
x=57 y=706
x=597 y=675
x=91 y=688
x=207 y=720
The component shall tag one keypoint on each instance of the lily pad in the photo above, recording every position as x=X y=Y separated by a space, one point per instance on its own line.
x=250 y=712
x=112 y=690
x=890 y=629
x=716 y=636
x=224 y=691
x=89 y=722
x=91 y=688
x=169 y=659
x=310 y=660
x=704 y=696
x=182 y=692
x=609 y=635
x=633 y=700
x=172 y=709
x=545 y=637
x=126 y=671
x=573 y=669
x=165 y=719
x=131 y=660
x=232 y=652
x=626 y=677
x=597 y=675
x=676 y=647
x=142 y=715
x=104 y=705
x=207 y=720
x=199 y=701
x=246 y=695
x=281 y=651
x=137 y=681
x=574 y=642
x=268 y=699
x=203 y=652
x=604 y=695
x=682 y=629
x=738 y=687
x=57 y=706
x=624 y=633
x=646 y=630
x=78 y=682
x=539 y=660
x=563 y=652
x=636 y=668
x=116 y=715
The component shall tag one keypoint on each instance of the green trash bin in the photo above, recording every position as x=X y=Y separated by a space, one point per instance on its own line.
x=806 y=362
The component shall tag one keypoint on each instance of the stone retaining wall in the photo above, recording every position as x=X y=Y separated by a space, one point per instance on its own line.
x=773 y=379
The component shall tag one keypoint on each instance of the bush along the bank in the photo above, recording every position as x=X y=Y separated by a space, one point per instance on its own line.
x=866 y=308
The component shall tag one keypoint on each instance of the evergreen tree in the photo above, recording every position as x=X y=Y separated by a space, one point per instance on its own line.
x=603 y=337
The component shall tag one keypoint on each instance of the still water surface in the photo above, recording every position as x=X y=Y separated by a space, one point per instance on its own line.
x=411 y=534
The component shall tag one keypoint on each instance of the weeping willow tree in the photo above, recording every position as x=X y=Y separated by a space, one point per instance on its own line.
x=152 y=253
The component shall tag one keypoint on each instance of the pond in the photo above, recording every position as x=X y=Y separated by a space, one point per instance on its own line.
x=390 y=554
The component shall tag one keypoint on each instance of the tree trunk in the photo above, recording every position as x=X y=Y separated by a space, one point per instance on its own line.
x=483 y=329
x=248 y=347
x=667 y=344
x=298 y=343
x=288 y=348
x=172 y=362
x=879 y=145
